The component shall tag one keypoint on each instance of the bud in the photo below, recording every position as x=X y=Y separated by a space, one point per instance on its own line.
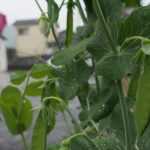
x=44 y=25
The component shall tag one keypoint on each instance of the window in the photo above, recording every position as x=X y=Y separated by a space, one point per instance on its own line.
x=51 y=45
x=23 y=31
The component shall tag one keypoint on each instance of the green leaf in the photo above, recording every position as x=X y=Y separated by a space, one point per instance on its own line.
x=34 y=88
x=66 y=55
x=114 y=66
x=10 y=105
x=10 y=118
x=99 y=45
x=11 y=95
x=39 y=134
x=26 y=115
x=67 y=91
x=137 y=24
x=18 y=77
x=40 y=71
x=53 y=11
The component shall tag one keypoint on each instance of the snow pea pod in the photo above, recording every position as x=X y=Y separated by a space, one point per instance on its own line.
x=142 y=106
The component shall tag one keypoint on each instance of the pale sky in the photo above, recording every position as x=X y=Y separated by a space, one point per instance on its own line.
x=27 y=9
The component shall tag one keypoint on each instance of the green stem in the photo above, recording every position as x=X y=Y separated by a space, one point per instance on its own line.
x=55 y=37
x=40 y=8
x=96 y=79
x=66 y=122
x=81 y=12
x=62 y=4
x=102 y=21
x=125 y=115
x=24 y=141
x=92 y=143
x=77 y=125
x=52 y=27
x=118 y=82
x=79 y=128
x=23 y=96
x=82 y=135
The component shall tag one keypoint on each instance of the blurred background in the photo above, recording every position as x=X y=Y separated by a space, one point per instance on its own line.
x=21 y=43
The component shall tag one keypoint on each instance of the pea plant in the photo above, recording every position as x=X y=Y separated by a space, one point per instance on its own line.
x=107 y=70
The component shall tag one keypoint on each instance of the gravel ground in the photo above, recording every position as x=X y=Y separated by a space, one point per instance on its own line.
x=9 y=142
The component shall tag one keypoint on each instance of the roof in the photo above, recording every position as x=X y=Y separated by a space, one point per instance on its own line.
x=26 y=22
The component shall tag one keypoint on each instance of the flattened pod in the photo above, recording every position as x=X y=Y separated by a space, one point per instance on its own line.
x=142 y=106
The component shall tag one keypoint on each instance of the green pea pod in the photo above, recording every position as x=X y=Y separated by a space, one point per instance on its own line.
x=39 y=134
x=142 y=106
x=134 y=84
x=69 y=33
x=107 y=110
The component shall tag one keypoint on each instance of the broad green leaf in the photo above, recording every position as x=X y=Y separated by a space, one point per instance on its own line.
x=81 y=72
x=34 y=88
x=137 y=24
x=26 y=115
x=142 y=106
x=67 y=91
x=39 y=134
x=99 y=45
x=18 y=77
x=11 y=95
x=66 y=55
x=53 y=11
x=104 y=124
x=17 y=119
x=40 y=71
x=10 y=118
x=114 y=66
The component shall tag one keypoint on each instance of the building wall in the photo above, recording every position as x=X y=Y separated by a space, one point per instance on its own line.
x=3 y=56
x=32 y=41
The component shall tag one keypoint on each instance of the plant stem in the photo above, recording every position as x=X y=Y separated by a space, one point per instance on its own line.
x=82 y=135
x=104 y=25
x=92 y=143
x=125 y=115
x=118 y=82
x=52 y=27
x=77 y=125
x=24 y=141
x=62 y=4
x=55 y=37
x=23 y=96
x=81 y=11
x=66 y=122
x=96 y=79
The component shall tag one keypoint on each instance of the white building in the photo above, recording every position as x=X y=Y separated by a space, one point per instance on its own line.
x=3 y=54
